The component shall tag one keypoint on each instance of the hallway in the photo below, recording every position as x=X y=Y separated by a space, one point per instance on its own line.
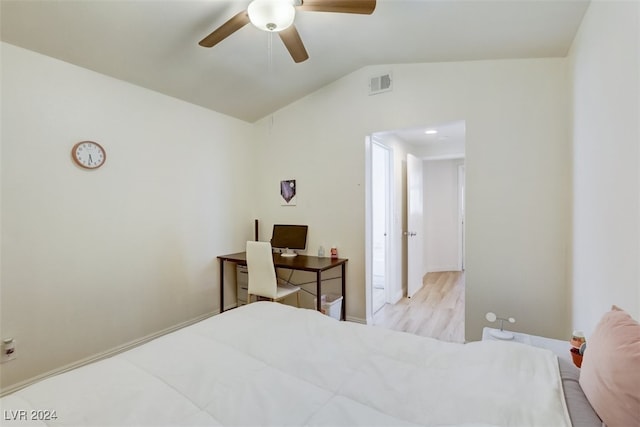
x=436 y=310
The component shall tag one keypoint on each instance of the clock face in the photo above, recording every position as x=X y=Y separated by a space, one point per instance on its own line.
x=88 y=154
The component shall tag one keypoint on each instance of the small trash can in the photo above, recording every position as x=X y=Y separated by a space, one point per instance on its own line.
x=331 y=305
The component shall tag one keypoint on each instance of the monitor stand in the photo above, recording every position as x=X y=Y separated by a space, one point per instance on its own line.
x=288 y=254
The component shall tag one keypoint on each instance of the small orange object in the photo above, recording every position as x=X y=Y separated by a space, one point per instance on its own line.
x=576 y=356
x=334 y=252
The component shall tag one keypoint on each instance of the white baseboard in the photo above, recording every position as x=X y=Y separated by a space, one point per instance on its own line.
x=356 y=320
x=228 y=307
x=439 y=269
x=103 y=355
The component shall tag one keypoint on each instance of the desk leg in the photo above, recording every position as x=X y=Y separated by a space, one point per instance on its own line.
x=344 y=294
x=318 y=293
x=221 y=285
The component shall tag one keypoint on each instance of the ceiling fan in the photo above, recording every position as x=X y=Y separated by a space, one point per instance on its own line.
x=278 y=15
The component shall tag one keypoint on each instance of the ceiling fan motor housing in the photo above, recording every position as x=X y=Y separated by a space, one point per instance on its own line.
x=271 y=15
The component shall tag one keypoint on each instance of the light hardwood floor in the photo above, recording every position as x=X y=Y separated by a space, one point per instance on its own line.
x=436 y=310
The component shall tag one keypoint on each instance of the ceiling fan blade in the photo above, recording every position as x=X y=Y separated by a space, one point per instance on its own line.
x=293 y=43
x=365 y=7
x=226 y=29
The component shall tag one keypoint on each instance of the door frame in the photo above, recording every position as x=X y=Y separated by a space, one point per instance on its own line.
x=462 y=189
x=416 y=261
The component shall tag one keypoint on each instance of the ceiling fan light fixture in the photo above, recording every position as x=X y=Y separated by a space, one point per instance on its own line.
x=271 y=15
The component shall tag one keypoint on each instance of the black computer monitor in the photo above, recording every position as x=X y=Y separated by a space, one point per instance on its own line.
x=289 y=237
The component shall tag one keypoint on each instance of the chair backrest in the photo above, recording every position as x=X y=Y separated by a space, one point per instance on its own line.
x=262 y=273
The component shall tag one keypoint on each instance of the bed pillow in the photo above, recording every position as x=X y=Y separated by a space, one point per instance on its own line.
x=610 y=375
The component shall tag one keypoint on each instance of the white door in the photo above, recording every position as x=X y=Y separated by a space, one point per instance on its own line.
x=414 y=235
x=380 y=204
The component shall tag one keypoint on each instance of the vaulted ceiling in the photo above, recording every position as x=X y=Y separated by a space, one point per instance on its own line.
x=154 y=43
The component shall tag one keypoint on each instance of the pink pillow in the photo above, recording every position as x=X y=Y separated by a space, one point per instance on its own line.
x=610 y=375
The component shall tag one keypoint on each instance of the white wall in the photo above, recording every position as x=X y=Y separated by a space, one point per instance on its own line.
x=517 y=149
x=441 y=243
x=448 y=149
x=605 y=70
x=92 y=260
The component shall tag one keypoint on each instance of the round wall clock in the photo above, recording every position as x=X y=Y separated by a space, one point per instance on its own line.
x=88 y=154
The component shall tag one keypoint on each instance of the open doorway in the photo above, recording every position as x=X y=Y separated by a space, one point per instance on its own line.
x=439 y=151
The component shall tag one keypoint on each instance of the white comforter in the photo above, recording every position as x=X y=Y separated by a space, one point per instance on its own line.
x=270 y=364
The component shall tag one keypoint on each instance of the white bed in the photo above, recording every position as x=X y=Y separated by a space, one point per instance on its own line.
x=271 y=364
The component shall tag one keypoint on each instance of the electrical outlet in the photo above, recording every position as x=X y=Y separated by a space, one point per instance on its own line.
x=8 y=350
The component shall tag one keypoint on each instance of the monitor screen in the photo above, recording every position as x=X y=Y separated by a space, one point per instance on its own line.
x=289 y=236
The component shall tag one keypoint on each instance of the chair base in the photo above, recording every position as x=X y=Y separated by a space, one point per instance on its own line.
x=261 y=298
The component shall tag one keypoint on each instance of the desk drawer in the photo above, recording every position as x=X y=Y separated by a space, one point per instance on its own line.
x=242 y=283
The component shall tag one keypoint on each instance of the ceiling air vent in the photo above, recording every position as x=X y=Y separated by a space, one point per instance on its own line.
x=379 y=84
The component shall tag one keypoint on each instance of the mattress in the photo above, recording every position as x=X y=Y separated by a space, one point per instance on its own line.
x=271 y=364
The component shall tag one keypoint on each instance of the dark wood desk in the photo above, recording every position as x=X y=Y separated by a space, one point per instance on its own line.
x=302 y=263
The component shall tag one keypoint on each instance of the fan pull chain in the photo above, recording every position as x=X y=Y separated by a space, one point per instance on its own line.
x=270 y=51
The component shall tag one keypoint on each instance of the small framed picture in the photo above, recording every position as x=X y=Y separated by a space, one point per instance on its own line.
x=288 y=193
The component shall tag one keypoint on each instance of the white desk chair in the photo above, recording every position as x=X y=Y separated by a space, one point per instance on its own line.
x=262 y=274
